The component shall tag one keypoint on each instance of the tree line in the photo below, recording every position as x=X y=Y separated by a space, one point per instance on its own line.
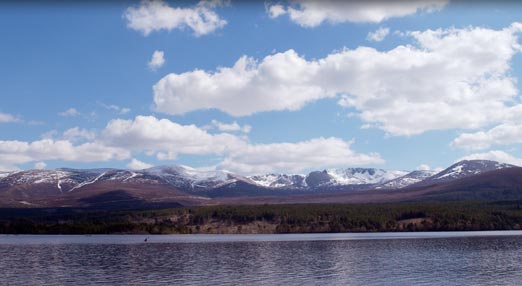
x=295 y=218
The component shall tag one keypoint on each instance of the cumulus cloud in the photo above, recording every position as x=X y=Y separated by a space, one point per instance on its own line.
x=495 y=155
x=310 y=13
x=135 y=164
x=71 y=112
x=424 y=167
x=451 y=78
x=283 y=81
x=157 y=15
x=168 y=139
x=275 y=10
x=147 y=133
x=40 y=165
x=234 y=126
x=378 y=35
x=78 y=134
x=8 y=118
x=157 y=60
x=502 y=134
x=15 y=152
x=295 y=157
x=51 y=134
x=165 y=139
x=506 y=133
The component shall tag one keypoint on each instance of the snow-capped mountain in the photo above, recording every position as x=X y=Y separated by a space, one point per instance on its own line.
x=351 y=176
x=408 y=179
x=185 y=177
x=60 y=179
x=466 y=168
x=68 y=180
x=201 y=182
x=280 y=181
x=360 y=176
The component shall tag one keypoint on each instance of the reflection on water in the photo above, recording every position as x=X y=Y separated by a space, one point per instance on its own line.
x=489 y=260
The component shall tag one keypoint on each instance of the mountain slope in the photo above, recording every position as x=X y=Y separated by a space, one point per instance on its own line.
x=407 y=180
x=466 y=168
x=495 y=185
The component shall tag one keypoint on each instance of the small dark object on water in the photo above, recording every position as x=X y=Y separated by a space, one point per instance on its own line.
x=146 y=239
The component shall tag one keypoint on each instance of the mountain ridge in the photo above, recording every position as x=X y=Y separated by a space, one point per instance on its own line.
x=195 y=186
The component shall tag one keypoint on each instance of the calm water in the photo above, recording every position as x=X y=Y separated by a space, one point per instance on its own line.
x=478 y=258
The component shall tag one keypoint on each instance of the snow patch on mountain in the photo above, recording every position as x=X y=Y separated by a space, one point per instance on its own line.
x=82 y=184
x=280 y=180
x=189 y=173
x=59 y=185
x=195 y=179
x=408 y=179
x=4 y=174
x=131 y=176
x=360 y=176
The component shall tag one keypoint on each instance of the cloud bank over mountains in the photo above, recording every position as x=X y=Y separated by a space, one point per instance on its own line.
x=147 y=135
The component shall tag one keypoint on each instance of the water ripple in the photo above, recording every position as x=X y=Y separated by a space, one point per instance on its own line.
x=484 y=260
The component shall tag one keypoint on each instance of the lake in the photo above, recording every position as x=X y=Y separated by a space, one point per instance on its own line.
x=436 y=258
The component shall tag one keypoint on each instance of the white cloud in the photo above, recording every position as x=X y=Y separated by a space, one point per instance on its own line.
x=157 y=15
x=234 y=126
x=149 y=133
x=495 y=155
x=167 y=156
x=310 y=13
x=165 y=139
x=8 y=118
x=283 y=81
x=502 y=134
x=8 y=169
x=40 y=165
x=77 y=134
x=71 y=112
x=424 y=167
x=138 y=165
x=157 y=60
x=453 y=78
x=275 y=10
x=51 y=134
x=295 y=157
x=506 y=133
x=113 y=107
x=378 y=35
x=15 y=152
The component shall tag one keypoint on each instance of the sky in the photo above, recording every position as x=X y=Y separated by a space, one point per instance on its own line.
x=259 y=87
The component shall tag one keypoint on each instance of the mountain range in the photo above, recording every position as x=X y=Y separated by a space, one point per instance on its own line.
x=183 y=185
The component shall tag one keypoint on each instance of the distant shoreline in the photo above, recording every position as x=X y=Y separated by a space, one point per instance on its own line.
x=124 y=239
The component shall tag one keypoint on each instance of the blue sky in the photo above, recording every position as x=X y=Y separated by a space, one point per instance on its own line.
x=259 y=87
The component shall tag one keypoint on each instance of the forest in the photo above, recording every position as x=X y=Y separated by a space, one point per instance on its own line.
x=294 y=218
